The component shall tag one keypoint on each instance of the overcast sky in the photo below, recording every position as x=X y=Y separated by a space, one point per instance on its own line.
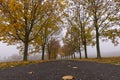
x=107 y=50
x=6 y=51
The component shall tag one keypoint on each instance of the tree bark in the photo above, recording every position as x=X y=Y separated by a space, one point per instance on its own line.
x=74 y=56
x=97 y=36
x=79 y=48
x=25 y=54
x=43 y=52
x=49 y=55
x=85 y=48
x=83 y=38
x=26 y=44
x=49 y=52
x=80 y=53
x=97 y=44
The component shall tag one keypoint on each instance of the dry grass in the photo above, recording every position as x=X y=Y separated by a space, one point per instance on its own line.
x=111 y=60
x=18 y=63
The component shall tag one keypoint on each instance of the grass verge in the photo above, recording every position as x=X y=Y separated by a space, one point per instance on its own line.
x=110 y=60
x=18 y=63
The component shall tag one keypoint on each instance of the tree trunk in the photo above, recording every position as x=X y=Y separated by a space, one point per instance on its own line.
x=80 y=53
x=97 y=31
x=79 y=44
x=43 y=52
x=97 y=44
x=49 y=55
x=25 y=54
x=74 y=55
x=85 y=42
x=85 y=49
x=83 y=39
x=49 y=52
x=97 y=36
x=26 y=44
x=71 y=56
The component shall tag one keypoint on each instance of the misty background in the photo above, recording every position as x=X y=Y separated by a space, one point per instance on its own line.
x=107 y=50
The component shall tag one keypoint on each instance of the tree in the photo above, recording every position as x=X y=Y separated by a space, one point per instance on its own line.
x=101 y=11
x=99 y=17
x=22 y=20
x=114 y=22
x=46 y=33
x=71 y=40
x=82 y=22
x=53 y=47
x=51 y=27
x=66 y=51
x=78 y=16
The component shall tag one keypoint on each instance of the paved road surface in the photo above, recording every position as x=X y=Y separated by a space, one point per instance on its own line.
x=55 y=70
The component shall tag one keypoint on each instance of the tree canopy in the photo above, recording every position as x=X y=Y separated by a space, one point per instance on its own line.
x=33 y=25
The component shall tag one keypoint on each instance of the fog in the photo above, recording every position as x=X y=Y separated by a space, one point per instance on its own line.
x=107 y=50
x=6 y=50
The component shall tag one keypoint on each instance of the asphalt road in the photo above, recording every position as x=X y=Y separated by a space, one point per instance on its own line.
x=55 y=70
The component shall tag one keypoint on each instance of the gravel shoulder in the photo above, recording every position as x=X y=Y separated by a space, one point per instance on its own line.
x=55 y=70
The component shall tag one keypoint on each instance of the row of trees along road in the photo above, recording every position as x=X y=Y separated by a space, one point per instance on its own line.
x=89 y=21
x=29 y=23
x=35 y=25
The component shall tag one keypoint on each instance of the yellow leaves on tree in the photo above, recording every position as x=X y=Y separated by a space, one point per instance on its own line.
x=24 y=20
